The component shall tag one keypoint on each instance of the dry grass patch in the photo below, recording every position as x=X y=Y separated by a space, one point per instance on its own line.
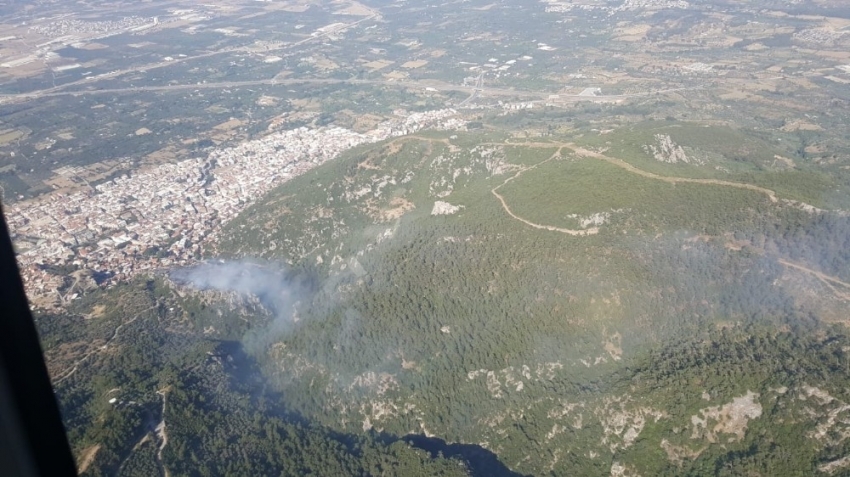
x=414 y=64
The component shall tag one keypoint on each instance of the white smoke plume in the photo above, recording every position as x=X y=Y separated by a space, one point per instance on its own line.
x=277 y=289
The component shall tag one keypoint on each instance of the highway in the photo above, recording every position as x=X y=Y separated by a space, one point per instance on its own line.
x=441 y=86
x=476 y=90
x=476 y=93
x=60 y=90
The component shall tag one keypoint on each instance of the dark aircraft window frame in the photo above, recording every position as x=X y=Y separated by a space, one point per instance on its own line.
x=32 y=437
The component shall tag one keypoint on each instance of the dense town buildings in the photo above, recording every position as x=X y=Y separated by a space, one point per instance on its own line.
x=165 y=215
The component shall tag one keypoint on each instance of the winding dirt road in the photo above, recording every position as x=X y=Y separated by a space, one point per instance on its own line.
x=828 y=280
x=617 y=162
x=162 y=432
x=68 y=374
x=672 y=180
x=552 y=228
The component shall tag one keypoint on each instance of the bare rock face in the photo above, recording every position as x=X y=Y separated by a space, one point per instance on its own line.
x=665 y=150
x=731 y=418
x=444 y=208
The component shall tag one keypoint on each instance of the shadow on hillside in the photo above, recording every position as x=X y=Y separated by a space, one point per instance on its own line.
x=482 y=462
x=247 y=378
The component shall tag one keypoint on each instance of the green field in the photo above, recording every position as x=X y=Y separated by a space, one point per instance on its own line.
x=719 y=152
x=552 y=192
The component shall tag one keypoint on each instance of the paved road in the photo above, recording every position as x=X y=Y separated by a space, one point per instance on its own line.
x=237 y=84
x=60 y=90
x=439 y=85
x=476 y=91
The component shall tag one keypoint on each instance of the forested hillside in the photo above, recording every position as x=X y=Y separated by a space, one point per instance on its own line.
x=149 y=384
x=563 y=307
x=473 y=304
